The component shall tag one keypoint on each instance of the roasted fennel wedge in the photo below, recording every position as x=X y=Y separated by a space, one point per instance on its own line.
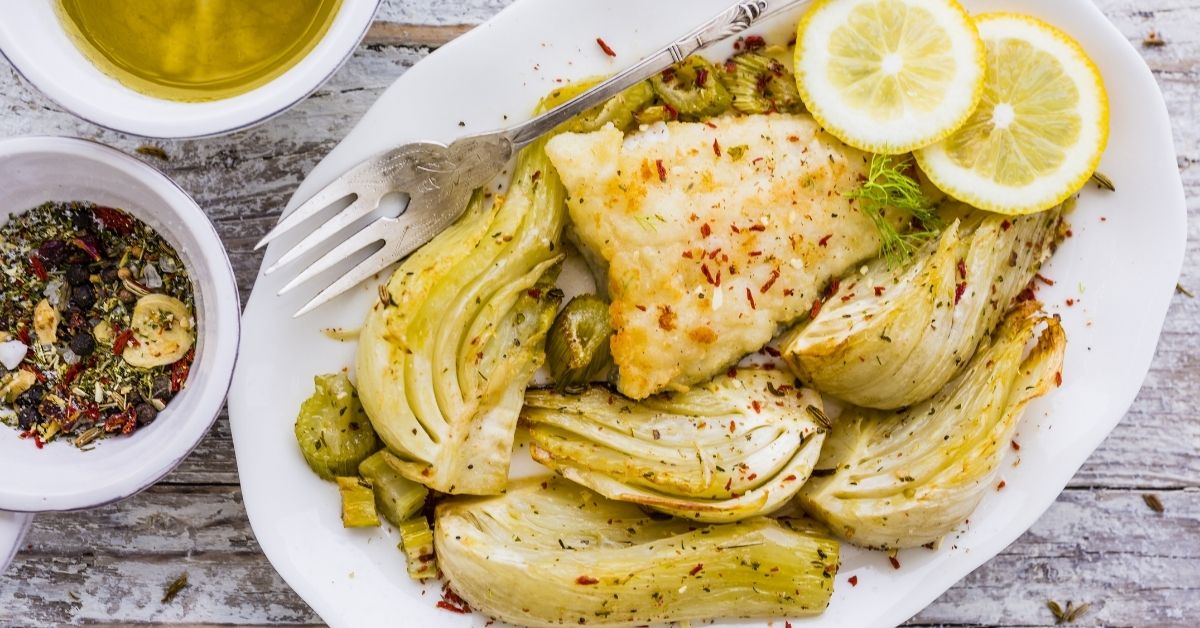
x=893 y=480
x=735 y=448
x=894 y=336
x=458 y=331
x=552 y=553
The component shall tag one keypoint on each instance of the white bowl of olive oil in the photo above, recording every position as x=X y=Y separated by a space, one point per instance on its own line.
x=181 y=68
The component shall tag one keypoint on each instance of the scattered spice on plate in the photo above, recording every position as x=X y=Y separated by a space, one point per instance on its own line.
x=1184 y=291
x=97 y=323
x=605 y=47
x=1153 y=502
x=1154 y=40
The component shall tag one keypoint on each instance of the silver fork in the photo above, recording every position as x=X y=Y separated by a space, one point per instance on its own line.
x=439 y=179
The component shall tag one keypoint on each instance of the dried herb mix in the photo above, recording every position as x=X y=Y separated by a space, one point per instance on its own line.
x=97 y=323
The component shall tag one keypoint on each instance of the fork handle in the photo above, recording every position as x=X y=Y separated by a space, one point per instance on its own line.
x=730 y=22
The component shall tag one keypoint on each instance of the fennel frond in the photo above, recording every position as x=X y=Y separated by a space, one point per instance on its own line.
x=888 y=188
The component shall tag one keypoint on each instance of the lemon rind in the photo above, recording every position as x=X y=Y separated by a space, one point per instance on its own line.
x=1017 y=200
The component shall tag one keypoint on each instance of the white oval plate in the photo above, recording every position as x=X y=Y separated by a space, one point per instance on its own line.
x=1121 y=267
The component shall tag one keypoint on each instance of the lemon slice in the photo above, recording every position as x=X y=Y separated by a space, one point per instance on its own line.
x=1041 y=126
x=889 y=76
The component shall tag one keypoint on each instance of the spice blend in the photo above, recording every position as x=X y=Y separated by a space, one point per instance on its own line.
x=97 y=323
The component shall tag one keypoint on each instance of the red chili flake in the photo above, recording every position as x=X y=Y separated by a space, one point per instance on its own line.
x=846 y=298
x=180 y=370
x=38 y=268
x=962 y=268
x=755 y=42
x=757 y=405
x=1046 y=280
x=695 y=570
x=662 y=170
x=672 y=112
x=86 y=248
x=895 y=562
x=1006 y=225
x=537 y=175
x=23 y=334
x=605 y=47
x=446 y=606
x=701 y=77
x=641 y=307
x=758 y=227
x=707 y=274
x=853 y=581
x=1058 y=379
x=1070 y=302
x=959 y=290
x=534 y=293
x=833 y=287
x=728 y=483
x=786 y=624
x=730 y=66
x=755 y=253
x=1001 y=485
x=123 y=338
x=825 y=240
x=114 y=219
x=732 y=427
x=790 y=478
x=787 y=292
x=773 y=352
x=705 y=230
x=687 y=254
x=668 y=75
x=816 y=308
x=878 y=291
x=732 y=372
x=793 y=138
x=750 y=298
x=1016 y=446
x=37 y=440
x=585 y=580
x=714 y=253
x=70 y=374
x=710 y=125
x=717 y=147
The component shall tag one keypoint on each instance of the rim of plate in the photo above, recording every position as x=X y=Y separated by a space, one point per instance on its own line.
x=23 y=521
x=34 y=41
x=120 y=468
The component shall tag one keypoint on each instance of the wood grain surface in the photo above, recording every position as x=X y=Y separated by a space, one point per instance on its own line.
x=1100 y=543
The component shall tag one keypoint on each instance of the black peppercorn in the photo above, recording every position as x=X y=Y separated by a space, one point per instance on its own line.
x=26 y=417
x=109 y=275
x=83 y=344
x=77 y=275
x=146 y=413
x=83 y=297
x=52 y=251
x=83 y=220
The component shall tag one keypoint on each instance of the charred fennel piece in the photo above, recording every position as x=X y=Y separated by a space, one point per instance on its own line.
x=577 y=350
x=333 y=432
x=761 y=84
x=735 y=448
x=895 y=336
x=549 y=553
x=692 y=89
x=416 y=541
x=396 y=498
x=904 y=479
x=358 y=503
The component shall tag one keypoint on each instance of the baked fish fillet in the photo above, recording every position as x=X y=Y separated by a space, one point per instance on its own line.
x=715 y=234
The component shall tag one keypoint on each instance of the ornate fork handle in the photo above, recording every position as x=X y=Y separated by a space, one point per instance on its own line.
x=730 y=22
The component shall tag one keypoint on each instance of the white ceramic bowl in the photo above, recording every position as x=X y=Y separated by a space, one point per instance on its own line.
x=34 y=170
x=35 y=42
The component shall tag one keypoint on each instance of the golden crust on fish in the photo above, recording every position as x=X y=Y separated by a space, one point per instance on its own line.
x=715 y=234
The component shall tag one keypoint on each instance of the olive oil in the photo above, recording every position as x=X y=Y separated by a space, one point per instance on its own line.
x=196 y=50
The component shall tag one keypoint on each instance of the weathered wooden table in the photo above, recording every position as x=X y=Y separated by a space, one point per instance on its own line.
x=1100 y=543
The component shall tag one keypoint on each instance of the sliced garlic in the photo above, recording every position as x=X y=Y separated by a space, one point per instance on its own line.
x=16 y=383
x=45 y=322
x=162 y=327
